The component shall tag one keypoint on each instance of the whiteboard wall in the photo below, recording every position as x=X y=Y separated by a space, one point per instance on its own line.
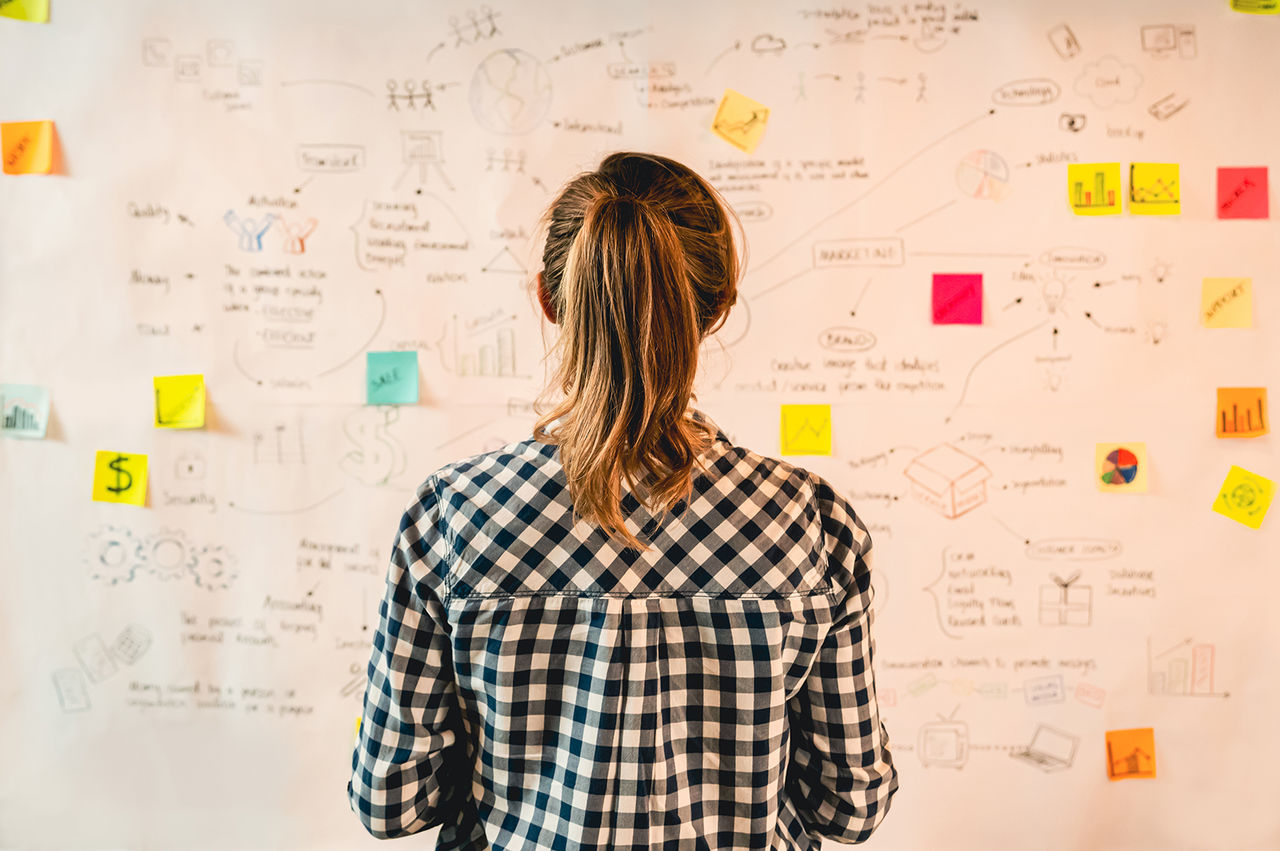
x=188 y=673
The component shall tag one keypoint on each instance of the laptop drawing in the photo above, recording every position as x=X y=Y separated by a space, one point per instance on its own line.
x=1050 y=749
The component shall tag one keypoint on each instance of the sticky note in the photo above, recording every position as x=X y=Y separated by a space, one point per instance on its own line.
x=179 y=401
x=1256 y=7
x=1120 y=467
x=356 y=737
x=1226 y=302
x=24 y=410
x=120 y=477
x=1242 y=412
x=35 y=11
x=27 y=147
x=391 y=378
x=740 y=121
x=1093 y=189
x=957 y=299
x=1154 y=189
x=1242 y=193
x=806 y=430
x=1245 y=497
x=1131 y=753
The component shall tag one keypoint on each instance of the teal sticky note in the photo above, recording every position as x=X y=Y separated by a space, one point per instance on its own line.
x=24 y=410
x=391 y=378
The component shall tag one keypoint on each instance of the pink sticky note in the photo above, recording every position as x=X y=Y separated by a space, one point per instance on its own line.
x=957 y=299
x=1242 y=193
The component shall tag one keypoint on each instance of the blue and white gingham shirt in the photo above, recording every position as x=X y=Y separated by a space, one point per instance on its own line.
x=534 y=684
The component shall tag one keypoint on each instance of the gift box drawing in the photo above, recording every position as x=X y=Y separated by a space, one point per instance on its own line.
x=947 y=480
x=1066 y=604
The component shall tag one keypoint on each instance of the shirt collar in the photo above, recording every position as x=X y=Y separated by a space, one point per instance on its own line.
x=700 y=415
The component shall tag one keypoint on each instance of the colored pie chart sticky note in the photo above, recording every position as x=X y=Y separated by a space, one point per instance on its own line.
x=1154 y=189
x=1121 y=467
x=806 y=430
x=27 y=147
x=35 y=11
x=1093 y=189
x=179 y=401
x=740 y=121
x=1242 y=193
x=1245 y=497
x=1242 y=412
x=1226 y=302
x=120 y=477
x=391 y=378
x=957 y=299
x=1131 y=753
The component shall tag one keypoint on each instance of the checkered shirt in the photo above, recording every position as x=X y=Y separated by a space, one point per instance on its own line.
x=534 y=684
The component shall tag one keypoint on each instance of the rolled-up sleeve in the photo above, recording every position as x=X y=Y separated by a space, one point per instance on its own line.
x=841 y=775
x=410 y=768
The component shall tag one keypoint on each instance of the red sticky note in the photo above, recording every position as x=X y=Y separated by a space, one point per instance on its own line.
x=957 y=299
x=1242 y=193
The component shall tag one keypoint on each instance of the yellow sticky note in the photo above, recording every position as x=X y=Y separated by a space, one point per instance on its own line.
x=1120 y=467
x=1245 y=497
x=1131 y=753
x=356 y=737
x=1154 y=189
x=806 y=430
x=119 y=477
x=1242 y=412
x=179 y=401
x=36 y=11
x=740 y=121
x=1257 y=7
x=1093 y=189
x=1226 y=302
x=27 y=147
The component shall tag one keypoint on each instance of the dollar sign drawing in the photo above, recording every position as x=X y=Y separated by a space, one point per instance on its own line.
x=116 y=467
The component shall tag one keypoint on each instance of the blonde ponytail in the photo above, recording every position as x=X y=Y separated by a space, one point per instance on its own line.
x=639 y=265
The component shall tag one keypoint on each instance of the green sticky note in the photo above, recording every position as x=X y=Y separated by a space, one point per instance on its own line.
x=24 y=410
x=36 y=11
x=179 y=401
x=391 y=378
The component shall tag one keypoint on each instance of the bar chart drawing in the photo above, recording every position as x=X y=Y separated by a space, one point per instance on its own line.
x=1093 y=188
x=492 y=355
x=1185 y=669
x=1242 y=412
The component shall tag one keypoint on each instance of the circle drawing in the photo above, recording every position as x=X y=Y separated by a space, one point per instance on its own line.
x=510 y=91
x=1120 y=468
x=983 y=175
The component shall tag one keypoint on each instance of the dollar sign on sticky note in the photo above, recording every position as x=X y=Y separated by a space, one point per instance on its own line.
x=119 y=477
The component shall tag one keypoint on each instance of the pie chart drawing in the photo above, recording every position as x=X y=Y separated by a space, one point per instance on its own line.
x=1120 y=468
x=983 y=175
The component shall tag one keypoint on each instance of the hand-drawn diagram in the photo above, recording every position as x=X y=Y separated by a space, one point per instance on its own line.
x=949 y=481
x=281 y=444
x=943 y=743
x=189 y=465
x=72 y=690
x=422 y=148
x=116 y=556
x=1050 y=749
x=1066 y=604
x=409 y=92
x=479 y=26
x=480 y=349
x=1108 y=82
x=296 y=234
x=1064 y=41
x=510 y=92
x=1164 y=40
x=1182 y=669
x=983 y=175
x=248 y=232
x=376 y=455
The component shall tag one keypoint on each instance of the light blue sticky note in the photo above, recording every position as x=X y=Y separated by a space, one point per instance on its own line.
x=24 y=410
x=391 y=378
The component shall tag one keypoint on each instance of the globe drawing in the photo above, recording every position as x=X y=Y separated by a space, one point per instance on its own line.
x=510 y=91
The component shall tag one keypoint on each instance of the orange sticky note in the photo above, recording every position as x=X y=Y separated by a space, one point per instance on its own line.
x=1242 y=412
x=1131 y=753
x=27 y=147
x=740 y=121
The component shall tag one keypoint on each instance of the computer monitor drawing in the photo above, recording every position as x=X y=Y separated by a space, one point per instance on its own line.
x=1051 y=749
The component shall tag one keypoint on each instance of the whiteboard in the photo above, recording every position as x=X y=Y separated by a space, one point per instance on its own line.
x=187 y=674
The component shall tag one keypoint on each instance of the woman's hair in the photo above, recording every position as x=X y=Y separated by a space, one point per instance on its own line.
x=639 y=266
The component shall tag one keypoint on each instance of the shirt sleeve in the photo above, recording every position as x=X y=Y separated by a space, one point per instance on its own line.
x=410 y=768
x=841 y=775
